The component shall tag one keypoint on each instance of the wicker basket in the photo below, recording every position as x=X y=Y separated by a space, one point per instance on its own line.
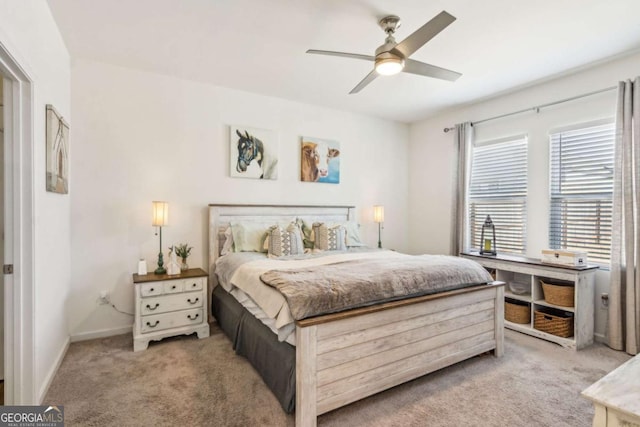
x=517 y=312
x=560 y=324
x=557 y=294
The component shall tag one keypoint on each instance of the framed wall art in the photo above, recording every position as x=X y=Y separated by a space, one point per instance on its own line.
x=57 y=136
x=253 y=153
x=319 y=160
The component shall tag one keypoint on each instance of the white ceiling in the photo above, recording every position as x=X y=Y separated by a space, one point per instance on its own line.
x=259 y=45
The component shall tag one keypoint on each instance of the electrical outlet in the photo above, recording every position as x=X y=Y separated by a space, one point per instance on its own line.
x=604 y=298
x=103 y=299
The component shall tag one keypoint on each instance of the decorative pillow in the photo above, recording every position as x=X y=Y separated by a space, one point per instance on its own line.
x=307 y=232
x=352 y=228
x=329 y=238
x=284 y=241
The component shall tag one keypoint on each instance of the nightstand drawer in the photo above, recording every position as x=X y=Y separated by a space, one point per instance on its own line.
x=151 y=289
x=194 y=284
x=173 y=286
x=173 y=319
x=165 y=303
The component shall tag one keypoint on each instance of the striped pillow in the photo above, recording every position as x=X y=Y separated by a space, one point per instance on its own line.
x=284 y=241
x=329 y=238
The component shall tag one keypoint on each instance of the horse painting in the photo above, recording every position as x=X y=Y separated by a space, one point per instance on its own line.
x=252 y=157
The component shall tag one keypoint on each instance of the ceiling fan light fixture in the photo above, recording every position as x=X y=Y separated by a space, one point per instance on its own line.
x=389 y=66
x=390 y=57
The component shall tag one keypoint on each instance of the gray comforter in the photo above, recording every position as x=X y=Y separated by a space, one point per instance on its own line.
x=341 y=286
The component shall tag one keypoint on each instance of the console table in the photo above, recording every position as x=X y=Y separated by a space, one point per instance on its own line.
x=527 y=272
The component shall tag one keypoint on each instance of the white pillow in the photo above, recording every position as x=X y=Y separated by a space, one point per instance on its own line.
x=353 y=233
x=227 y=248
x=248 y=236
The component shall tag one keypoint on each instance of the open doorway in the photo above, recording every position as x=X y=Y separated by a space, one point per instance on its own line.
x=2 y=349
x=17 y=213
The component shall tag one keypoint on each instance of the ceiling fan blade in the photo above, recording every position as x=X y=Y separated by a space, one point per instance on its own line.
x=422 y=69
x=425 y=33
x=370 y=77
x=343 y=54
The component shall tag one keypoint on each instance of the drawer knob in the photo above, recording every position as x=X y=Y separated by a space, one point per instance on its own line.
x=151 y=290
x=173 y=287
x=193 y=318
x=193 y=285
x=193 y=302
x=154 y=307
x=154 y=325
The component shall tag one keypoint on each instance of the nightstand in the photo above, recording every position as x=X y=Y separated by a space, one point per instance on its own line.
x=166 y=306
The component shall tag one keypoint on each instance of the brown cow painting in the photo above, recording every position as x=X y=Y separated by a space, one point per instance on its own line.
x=320 y=160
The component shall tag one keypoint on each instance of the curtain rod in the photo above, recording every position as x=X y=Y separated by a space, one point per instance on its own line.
x=538 y=107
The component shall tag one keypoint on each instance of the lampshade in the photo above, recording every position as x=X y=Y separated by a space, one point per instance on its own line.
x=160 y=214
x=389 y=66
x=378 y=213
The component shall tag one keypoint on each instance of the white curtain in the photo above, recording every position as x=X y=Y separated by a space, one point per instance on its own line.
x=461 y=173
x=624 y=293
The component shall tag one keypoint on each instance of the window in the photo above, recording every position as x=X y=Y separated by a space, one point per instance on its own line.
x=498 y=188
x=581 y=190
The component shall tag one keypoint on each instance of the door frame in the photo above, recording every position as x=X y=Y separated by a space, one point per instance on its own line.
x=19 y=310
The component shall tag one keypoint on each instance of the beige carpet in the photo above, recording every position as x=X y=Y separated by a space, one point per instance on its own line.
x=191 y=382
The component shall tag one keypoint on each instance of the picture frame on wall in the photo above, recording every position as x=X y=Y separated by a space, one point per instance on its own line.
x=253 y=153
x=319 y=160
x=57 y=146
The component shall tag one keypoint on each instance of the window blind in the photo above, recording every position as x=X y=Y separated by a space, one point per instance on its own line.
x=581 y=190
x=498 y=187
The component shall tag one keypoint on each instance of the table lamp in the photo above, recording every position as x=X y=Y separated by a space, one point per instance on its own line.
x=160 y=219
x=378 y=216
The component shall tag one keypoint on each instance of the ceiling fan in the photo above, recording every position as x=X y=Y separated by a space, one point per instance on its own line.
x=392 y=57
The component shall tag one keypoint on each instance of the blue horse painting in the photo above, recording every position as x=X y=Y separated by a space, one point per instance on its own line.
x=251 y=155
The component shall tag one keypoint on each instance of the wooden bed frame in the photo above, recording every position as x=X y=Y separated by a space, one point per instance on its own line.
x=344 y=357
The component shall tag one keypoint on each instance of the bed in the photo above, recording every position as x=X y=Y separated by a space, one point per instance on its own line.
x=342 y=357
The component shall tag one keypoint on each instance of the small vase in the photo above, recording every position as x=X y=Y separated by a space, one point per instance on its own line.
x=184 y=266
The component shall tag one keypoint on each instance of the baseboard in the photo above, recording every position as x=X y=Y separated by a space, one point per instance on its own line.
x=52 y=372
x=102 y=333
x=75 y=338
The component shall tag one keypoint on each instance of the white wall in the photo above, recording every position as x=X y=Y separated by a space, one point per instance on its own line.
x=29 y=33
x=139 y=137
x=432 y=154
